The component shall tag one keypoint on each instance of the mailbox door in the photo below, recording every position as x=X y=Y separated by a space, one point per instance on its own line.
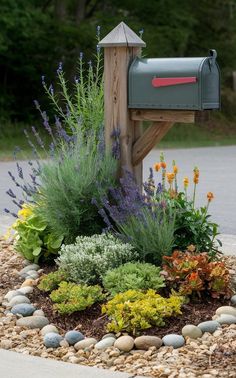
x=210 y=85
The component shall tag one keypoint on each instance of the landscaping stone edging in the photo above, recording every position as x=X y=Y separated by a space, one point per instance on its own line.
x=18 y=304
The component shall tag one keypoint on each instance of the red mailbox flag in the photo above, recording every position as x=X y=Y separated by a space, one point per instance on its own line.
x=167 y=81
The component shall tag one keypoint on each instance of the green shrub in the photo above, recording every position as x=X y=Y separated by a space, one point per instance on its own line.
x=79 y=175
x=51 y=281
x=33 y=238
x=134 y=310
x=136 y=276
x=151 y=233
x=90 y=258
x=70 y=297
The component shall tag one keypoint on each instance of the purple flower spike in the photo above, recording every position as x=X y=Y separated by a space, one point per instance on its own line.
x=81 y=55
x=7 y=211
x=20 y=171
x=43 y=80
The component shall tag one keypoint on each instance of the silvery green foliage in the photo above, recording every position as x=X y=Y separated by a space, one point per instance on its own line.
x=90 y=258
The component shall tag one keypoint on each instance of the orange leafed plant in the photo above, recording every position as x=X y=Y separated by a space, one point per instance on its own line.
x=193 y=273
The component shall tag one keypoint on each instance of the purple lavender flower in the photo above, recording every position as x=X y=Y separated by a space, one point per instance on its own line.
x=116 y=143
x=59 y=70
x=38 y=138
x=81 y=55
x=98 y=31
x=20 y=171
x=43 y=80
x=10 y=193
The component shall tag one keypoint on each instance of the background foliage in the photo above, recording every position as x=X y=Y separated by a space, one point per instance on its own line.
x=35 y=35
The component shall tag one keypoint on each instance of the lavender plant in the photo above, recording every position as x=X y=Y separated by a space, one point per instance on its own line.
x=148 y=227
x=77 y=168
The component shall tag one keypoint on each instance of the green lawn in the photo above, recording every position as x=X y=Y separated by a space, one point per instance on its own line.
x=180 y=136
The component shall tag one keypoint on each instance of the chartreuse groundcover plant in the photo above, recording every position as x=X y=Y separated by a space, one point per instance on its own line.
x=51 y=281
x=136 y=276
x=134 y=310
x=69 y=297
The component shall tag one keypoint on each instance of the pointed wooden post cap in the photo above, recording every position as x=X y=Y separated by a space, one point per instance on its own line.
x=122 y=35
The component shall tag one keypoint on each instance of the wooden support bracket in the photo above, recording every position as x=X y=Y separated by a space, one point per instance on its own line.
x=175 y=116
x=148 y=140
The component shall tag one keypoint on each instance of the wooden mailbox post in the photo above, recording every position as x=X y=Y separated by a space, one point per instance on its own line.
x=121 y=47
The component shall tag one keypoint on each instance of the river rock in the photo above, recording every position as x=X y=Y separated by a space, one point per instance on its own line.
x=233 y=300
x=124 y=343
x=209 y=326
x=191 y=331
x=24 y=309
x=226 y=319
x=86 y=343
x=145 y=342
x=28 y=268
x=18 y=299
x=73 y=337
x=25 y=290
x=52 y=340
x=11 y=294
x=105 y=343
x=176 y=341
x=28 y=282
x=32 y=274
x=108 y=335
x=38 y=313
x=32 y=322
x=50 y=328
x=230 y=310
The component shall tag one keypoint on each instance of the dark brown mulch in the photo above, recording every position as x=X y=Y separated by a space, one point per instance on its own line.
x=93 y=324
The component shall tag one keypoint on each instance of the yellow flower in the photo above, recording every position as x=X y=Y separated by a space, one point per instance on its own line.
x=157 y=166
x=186 y=182
x=210 y=196
x=25 y=212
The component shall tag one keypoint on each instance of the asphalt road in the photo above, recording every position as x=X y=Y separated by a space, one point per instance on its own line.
x=217 y=174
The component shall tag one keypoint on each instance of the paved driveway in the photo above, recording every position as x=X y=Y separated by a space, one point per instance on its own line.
x=217 y=174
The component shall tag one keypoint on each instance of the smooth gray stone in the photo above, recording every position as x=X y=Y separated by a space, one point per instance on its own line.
x=230 y=310
x=105 y=343
x=18 y=299
x=144 y=342
x=33 y=322
x=11 y=294
x=177 y=341
x=50 y=328
x=26 y=290
x=73 y=337
x=24 y=309
x=27 y=268
x=38 y=313
x=233 y=300
x=52 y=340
x=191 y=331
x=209 y=326
x=87 y=342
x=226 y=319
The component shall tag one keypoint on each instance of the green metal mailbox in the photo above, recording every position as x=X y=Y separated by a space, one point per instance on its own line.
x=175 y=83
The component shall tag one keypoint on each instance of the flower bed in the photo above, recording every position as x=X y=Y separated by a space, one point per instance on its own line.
x=110 y=273
x=210 y=355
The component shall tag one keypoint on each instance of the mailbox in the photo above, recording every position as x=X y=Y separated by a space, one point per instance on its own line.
x=175 y=83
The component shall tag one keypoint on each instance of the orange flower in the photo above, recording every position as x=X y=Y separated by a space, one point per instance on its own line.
x=157 y=166
x=175 y=169
x=210 y=196
x=163 y=164
x=196 y=175
x=186 y=182
x=170 y=177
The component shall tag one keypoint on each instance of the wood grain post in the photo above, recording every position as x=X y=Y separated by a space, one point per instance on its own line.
x=121 y=46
